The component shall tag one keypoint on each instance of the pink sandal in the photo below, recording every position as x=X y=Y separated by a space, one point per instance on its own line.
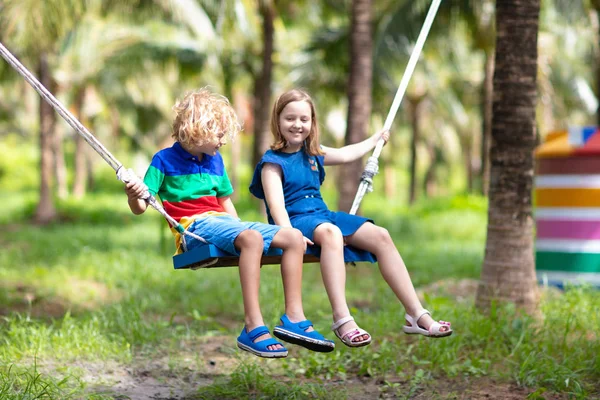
x=351 y=334
x=435 y=330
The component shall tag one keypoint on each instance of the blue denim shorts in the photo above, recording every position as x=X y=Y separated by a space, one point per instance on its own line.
x=222 y=231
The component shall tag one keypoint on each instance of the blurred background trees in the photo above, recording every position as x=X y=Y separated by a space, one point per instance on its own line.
x=120 y=65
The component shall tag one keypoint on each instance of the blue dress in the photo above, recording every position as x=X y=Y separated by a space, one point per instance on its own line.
x=302 y=178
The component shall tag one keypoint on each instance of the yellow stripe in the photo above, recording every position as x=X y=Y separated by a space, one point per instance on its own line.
x=187 y=221
x=574 y=197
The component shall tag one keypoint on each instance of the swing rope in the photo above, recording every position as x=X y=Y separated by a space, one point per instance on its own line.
x=123 y=174
x=372 y=166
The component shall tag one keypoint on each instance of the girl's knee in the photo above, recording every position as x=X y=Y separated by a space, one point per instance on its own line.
x=291 y=234
x=383 y=234
x=381 y=239
x=329 y=234
x=290 y=238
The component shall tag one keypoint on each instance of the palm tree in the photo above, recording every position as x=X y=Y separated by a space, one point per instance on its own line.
x=134 y=71
x=508 y=270
x=263 y=81
x=35 y=28
x=360 y=83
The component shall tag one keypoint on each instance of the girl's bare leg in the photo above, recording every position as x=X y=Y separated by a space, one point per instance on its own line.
x=292 y=243
x=378 y=241
x=333 y=270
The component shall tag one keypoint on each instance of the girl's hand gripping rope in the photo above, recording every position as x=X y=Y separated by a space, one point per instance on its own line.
x=383 y=134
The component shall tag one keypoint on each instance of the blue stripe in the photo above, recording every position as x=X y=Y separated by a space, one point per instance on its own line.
x=175 y=161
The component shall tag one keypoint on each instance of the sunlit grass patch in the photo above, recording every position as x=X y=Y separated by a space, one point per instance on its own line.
x=252 y=381
x=28 y=383
x=23 y=338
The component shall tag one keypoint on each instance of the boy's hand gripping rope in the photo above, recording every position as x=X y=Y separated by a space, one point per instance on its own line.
x=123 y=174
x=372 y=167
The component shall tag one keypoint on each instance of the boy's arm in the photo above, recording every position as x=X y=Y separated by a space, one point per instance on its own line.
x=134 y=190
x=228 y=206
x=272 y=177
x=353 y=152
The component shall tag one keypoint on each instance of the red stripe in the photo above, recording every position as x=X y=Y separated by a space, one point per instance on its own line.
x=568 y=165
x=188 y=208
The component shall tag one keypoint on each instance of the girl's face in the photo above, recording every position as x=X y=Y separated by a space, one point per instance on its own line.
x=295 y=122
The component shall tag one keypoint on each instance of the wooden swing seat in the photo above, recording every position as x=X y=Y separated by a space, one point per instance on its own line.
x=210 y=256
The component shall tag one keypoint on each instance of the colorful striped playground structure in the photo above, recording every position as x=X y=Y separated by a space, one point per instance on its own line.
x=567 y=207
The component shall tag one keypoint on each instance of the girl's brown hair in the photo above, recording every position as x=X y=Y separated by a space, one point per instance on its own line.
x=311 y=146
x=203 y=115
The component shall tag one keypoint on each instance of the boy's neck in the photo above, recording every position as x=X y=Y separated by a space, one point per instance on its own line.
x=191 y=151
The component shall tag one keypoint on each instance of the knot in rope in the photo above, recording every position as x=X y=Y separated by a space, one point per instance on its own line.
x=371 y=169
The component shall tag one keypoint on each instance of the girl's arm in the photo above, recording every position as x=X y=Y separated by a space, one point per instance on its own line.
x=228 y=206
x=272 y=178
x=353 y=152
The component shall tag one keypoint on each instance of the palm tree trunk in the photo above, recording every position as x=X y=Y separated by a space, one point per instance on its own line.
x=60 y=166
x=90 y=181
x=234 y=146
x=389 y=172
x=467 y=151
x=488 y=93
x=359 y=96
x=509 y=270
x=262 y=84
x=79 y=175
x=415 y=102
x=429 y=181
x=45 y=211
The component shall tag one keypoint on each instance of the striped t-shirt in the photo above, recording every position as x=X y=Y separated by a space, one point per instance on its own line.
x=186 y=185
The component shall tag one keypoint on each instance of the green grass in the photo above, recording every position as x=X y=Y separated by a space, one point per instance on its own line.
x=99 y=287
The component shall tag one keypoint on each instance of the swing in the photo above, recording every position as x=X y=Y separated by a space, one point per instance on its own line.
x=208 y=255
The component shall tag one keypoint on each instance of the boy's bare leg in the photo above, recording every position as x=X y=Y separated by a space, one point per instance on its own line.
x=292 y=243
x=250 y=245
x=378 y=241
x=333 y=270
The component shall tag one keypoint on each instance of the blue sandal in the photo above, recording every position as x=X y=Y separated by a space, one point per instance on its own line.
x=295 y=332
x=246 y=342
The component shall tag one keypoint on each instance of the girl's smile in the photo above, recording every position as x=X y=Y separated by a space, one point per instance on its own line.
x=295 y=123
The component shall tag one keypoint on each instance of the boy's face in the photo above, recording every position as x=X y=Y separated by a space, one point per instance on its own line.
x=210 y=147
x=295 y=121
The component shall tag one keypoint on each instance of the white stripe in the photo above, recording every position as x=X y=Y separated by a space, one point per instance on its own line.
x=553 y=213
x=575 y=136
x=568 y=181
x=554 y=277
x=569 y=246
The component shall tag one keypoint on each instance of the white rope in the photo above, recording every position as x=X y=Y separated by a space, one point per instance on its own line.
x=123 y=174
x=372 y=167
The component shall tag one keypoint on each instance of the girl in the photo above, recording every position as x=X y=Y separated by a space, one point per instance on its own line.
x=289 y=177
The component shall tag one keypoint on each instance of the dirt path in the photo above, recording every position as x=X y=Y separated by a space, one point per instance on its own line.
x=165 y=379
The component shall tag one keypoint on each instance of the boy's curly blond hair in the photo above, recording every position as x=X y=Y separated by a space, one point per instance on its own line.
x=203 y=115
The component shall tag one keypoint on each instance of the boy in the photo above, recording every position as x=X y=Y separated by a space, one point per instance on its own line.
x=192 y=183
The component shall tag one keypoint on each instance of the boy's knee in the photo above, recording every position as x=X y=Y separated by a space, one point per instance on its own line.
x=249 y=239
